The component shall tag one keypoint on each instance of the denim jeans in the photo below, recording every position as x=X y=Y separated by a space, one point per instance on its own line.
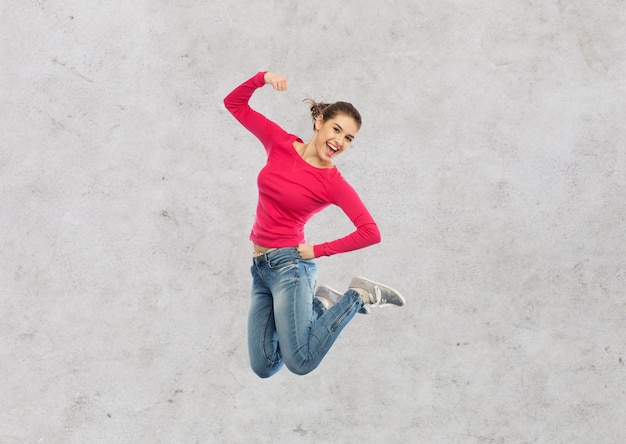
x=286 y=324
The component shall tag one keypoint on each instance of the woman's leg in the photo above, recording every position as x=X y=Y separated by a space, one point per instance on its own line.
x=303 y=335
x=263 y=348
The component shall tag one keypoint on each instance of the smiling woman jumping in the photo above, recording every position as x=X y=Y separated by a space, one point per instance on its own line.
x=290 y=321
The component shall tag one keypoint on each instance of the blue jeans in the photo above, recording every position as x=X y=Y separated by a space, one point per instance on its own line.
x=286 y=323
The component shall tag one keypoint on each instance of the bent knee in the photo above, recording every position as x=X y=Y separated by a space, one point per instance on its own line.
x=300 y=370
x=265 y=372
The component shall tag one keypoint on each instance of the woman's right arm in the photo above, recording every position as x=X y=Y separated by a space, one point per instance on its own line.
x=237 y=104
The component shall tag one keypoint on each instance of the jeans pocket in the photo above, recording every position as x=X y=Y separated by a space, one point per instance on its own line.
x=310 y=271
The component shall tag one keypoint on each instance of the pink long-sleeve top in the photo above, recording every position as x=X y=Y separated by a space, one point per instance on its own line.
x=291 y=190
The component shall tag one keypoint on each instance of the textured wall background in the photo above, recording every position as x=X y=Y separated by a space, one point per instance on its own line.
x=492 y=156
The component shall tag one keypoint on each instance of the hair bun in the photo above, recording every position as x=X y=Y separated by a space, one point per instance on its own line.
x=316 y=108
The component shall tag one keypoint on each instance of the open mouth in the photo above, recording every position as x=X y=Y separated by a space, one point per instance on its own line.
x=331 y=149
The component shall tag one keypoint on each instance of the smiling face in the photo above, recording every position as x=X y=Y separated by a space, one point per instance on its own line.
x=334 y=136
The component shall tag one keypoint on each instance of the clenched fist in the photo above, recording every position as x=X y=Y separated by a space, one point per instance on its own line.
x=279 y=83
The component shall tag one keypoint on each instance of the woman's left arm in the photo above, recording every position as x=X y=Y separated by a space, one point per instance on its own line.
x=365 y=234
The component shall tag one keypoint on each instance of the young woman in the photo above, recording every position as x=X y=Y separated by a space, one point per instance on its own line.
x=287 y=324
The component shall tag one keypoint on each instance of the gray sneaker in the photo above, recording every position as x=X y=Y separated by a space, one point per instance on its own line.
x=329 y=297
x=381 y=295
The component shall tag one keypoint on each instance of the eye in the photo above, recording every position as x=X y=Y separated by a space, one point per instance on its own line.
x=336 y=130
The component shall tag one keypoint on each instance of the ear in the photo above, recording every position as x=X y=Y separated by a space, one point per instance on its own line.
x=319 y=121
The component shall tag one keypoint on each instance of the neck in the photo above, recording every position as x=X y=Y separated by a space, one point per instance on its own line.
x=309 y=153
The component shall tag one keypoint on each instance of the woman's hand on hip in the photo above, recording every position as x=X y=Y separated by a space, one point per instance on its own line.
x=279 y=83
x=306 y=251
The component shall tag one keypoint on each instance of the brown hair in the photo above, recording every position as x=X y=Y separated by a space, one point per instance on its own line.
x=330 y=110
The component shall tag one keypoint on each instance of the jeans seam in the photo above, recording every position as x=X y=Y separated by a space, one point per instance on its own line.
x=267 y=359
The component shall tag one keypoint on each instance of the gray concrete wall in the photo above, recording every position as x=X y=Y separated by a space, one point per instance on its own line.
x=492 y=156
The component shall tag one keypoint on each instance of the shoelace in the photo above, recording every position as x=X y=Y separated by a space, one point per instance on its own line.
x=378 y=297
